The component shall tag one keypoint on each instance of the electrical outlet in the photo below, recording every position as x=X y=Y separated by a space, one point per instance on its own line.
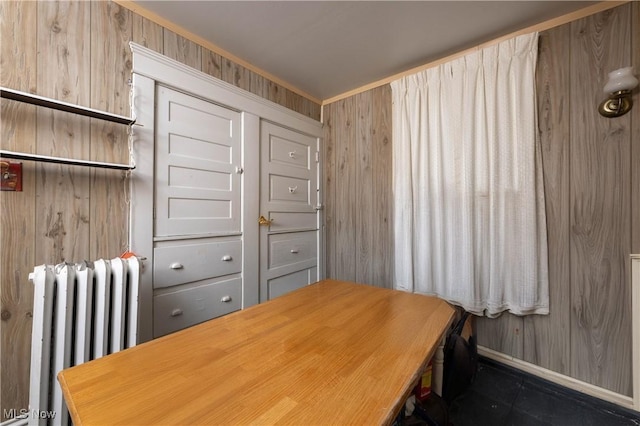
x=10 y=176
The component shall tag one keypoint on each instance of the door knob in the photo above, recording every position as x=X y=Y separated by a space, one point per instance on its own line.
x=264 y=221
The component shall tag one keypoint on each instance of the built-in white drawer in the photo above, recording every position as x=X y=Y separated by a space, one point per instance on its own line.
x=289 y=152
x=291 y=221
x=184 y=263
x=290 y=248
x=183 y=308
x=293 y=281
x=289 y=189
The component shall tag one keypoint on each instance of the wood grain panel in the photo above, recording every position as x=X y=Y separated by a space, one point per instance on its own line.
x=357 y=174
x=276 y=93
x=211 y=63
x=314 y=109
x=62 y=219
x=329 y=174
x=504 y=334
x=635 y=133
x=258 y=84
x=182 y=50
x=382 y=206
x=345 y=194
x=236 y=74
x=147 y=33
x=363 y=164
x=17 y=257
x=547 y=337
x=109 y=141
x=294 y=101
x=600 y=207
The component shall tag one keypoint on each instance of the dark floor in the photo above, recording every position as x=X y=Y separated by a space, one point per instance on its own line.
x=504 y=396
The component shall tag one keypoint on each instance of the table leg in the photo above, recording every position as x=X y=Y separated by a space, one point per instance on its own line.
x=438 y=368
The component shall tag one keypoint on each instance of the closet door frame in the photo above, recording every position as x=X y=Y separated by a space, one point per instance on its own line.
x=151 y=69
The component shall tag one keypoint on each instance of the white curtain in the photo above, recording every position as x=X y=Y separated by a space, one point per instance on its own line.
x=470 y=222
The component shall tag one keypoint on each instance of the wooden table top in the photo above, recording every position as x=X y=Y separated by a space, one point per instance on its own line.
x=331 y=353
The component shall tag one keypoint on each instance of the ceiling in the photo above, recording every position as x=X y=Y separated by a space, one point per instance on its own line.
x=326 y=48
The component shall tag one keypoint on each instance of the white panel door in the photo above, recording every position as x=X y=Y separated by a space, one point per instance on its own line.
x=288 y=200
x=198 y=155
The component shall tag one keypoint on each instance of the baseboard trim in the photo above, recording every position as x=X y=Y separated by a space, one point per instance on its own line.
x=559 y=379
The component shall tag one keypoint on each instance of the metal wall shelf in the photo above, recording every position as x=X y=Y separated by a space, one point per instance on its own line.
x=61 y=160
x=29 y=98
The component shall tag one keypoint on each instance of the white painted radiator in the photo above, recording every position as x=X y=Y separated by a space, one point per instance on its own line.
x=80 y=312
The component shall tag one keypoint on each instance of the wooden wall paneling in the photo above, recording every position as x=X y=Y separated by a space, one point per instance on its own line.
x=346 y=190
x=547 y=337
x=18 y=55
x=147 y=33
x=382 y=206
x=109 y=141
x=635 y=132
x=503 y=334
x=329 y=190
x=211 y=63
x=236 y=74
x=182 y=50
x=312 y=109
x=303 y=105
x=600 y=207
x=62 y=192
x=363 y=188
x=276 y=93
x=294 y=101
x=257 y=84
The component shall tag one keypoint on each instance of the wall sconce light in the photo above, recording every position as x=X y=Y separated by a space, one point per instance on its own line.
x=618 y=89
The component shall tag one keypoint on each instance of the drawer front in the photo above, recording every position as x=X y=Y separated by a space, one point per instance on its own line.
x=286 y=249
x=181 y=264
x=287 y=222
x=289 y=189
x=289 y=282
x=289 y=152
x=184 y=308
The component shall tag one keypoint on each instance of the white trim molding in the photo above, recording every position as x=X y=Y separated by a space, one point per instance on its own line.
x=559 y=379
x=635 y=326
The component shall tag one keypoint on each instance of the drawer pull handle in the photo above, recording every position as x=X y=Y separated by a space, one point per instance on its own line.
x=293 y=189
x=176 y=312
x=226 y=299
x=292 y=154
x=176 y=265
x=294 y=251
x=227 y=258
